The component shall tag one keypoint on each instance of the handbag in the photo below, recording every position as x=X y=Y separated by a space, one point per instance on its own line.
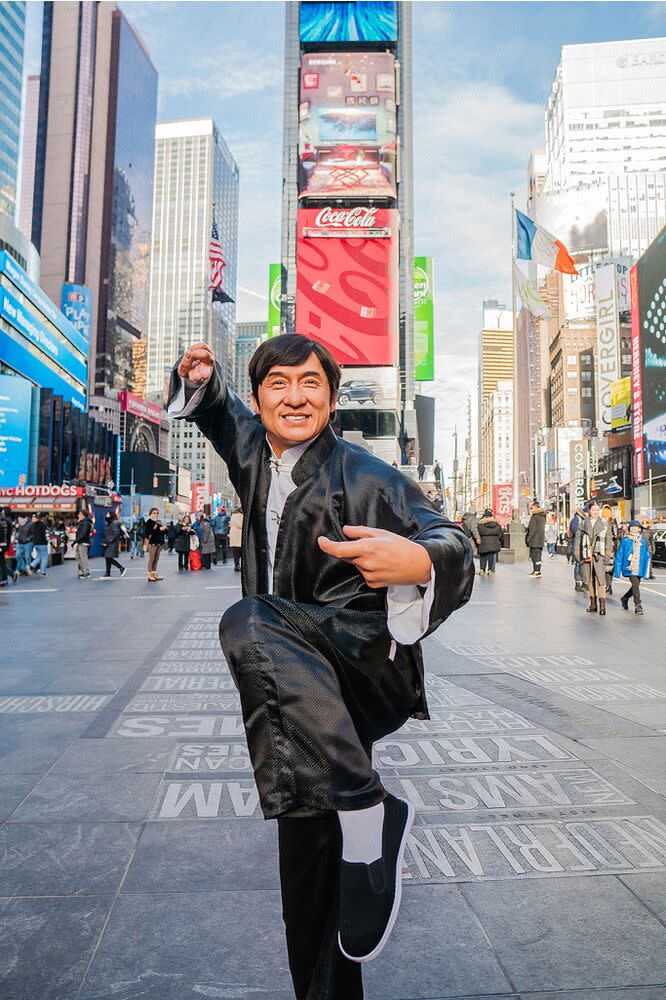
x=195 y=560
x=194 y=542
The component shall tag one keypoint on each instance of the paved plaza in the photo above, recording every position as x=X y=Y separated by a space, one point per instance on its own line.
x=134 y=862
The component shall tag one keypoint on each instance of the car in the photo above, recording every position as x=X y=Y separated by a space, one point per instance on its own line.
x=660 y=544
x=360 y=391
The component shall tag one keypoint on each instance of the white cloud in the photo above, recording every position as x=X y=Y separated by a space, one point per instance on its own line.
x=239 y=72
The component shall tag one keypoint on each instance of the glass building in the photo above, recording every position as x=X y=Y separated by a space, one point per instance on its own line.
x=12 y=35
x=248 y=338
x=196 y=179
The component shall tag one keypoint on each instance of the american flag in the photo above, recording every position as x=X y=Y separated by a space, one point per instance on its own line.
x=217 y=261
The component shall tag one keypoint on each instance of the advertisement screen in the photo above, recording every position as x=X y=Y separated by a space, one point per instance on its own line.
x=368 y=389
x=503 y=502
x=652 y=353
x=424 y=328
x=274 y=298
x=15 y=414
x=620 y=394
x=347 y=282
x=347 y=125
x=362 y=21
x=76 y=304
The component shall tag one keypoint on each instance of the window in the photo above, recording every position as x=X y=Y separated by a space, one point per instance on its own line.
x=586 y=393
x=572 y=391
x=572 y=374
x=572 y=359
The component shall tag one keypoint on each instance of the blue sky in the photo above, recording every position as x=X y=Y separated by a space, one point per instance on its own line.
x=482 y=72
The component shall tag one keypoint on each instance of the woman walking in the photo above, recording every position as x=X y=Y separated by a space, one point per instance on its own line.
x=111 y=545
x=236 y=536
x=593 y=549
x=183 y=534
x=154 y=535
x=633 y=562
x=551 y=535
x=607 y=514
x=491 y=535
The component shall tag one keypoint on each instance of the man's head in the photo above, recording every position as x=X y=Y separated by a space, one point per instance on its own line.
x=294 y=388
x=534 y=506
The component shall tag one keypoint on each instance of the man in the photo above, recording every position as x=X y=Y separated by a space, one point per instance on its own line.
x=154 y=534
x=579 y=516
x=345 y=567
x=220 y=526
x=535 y=536
x=136 y=534
x=470 y=525
x=23 y=547
x=40 y=541
x=82 y=542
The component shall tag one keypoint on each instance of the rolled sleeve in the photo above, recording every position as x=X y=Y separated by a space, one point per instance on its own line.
x=187 y=397
x=409 y=611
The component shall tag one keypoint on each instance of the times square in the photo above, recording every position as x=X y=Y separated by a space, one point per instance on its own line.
x=332 y=500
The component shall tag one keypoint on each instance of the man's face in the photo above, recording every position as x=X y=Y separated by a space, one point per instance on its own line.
x=294 y=403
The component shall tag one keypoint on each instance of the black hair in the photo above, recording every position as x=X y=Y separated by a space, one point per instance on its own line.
x=291 y=349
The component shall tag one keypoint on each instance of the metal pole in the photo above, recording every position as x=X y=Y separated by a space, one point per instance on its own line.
x=131 y=492
x=516 y=451
x=650 y=489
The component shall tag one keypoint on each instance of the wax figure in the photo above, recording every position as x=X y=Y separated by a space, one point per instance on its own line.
x=346 y=565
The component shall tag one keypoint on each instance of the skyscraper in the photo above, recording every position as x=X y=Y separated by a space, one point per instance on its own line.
x=248 y=338
x=12 y=33
x=196 y=177
x=495 y=366
x=28 y=154
x=91 y=220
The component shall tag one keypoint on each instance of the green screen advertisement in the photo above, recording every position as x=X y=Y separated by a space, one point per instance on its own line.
x=274 y=296
x=424 y=327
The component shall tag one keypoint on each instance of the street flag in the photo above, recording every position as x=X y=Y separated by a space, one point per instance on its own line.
x=529 y=294
x=537 y=244
x=217 y=261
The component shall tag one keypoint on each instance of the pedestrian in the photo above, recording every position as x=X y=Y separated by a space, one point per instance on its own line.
x=236 y=536
x=208 y=548
x=23 y=541
x=40 y=543
x=648 y=535
x=535 y=536
x=322 y=666
x=221 y=531
x=153 y=540
x=551 y=535
x=136 y=540
x=111 y=545
x=183 y=535
x=579 y=515
x=593 y=548
x=437 y=474
x=491 y=534
x=5 y=539
x=607 y=514
x=82 y=538
x=420 y=468
x=470 y=525
x=171 y=536
x=633 y=562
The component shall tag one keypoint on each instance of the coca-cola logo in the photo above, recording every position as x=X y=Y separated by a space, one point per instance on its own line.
x=346 y=218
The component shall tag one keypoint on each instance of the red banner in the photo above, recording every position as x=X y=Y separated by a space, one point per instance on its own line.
x=347 y=282
x=43 y=492
x=636 y=379
x=139 y=406
x=199 y=496
x=503 y=502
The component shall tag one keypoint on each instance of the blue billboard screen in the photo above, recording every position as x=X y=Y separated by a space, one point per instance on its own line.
x=76 y=304
x=375 y=21
x=15 y=414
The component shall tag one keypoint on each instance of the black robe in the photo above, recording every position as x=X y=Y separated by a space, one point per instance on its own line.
x=337 y=483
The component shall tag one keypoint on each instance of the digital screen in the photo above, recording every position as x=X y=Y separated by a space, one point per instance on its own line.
x=652 y=320
x=347 y=126
x=15 y=416
x=368 y=389
x=375 y=21
x=347 y=282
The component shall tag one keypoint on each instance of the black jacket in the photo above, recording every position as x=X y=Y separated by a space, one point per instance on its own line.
x=337 y=483
x=183 y=536
x=24 y=532
x=111 y=545
x=83 y=532
x=154 y=532
x=4 y=532
x=491 y=534
x=39 y=535
x=535 y=535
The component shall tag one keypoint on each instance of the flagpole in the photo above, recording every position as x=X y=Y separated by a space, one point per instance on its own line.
x=516 y=475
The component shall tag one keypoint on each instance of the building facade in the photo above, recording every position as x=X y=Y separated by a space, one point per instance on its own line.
x=12 y=33
x=497 y=431
x=196 y=178
x=248 y=338
x=28 y=155
x=495 y=366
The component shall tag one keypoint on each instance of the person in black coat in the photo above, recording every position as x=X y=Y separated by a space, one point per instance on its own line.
x=184 y=533
x=82 y=539
x=111 y=545
x=324 y=646
x=535 y=536
x=491 y=535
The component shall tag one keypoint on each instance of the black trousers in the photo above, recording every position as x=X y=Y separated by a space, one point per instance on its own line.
x=236 y=553
x=310 y=719
x=183 y=560
x=535 y=556
x=222 y=543
x=110 y=563
x=634 y=591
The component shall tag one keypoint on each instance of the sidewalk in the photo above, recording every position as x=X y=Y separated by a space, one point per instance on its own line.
x=135 y=863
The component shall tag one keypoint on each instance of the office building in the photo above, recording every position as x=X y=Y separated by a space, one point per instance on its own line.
x=495 y=366
x=195 y=177
x=497 y=438
x=248 y=338
x=28 y=154
x=12 y=33
x=93 y=183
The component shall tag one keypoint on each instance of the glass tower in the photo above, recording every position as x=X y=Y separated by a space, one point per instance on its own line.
x=12 y=35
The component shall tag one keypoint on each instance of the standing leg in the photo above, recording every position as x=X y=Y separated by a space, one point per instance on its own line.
x=225 y=546
x=483 y=562
x=636 y=591
x=83 y=557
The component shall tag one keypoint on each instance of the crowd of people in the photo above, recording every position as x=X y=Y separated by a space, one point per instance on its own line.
x=31 y=543
x=598 y=547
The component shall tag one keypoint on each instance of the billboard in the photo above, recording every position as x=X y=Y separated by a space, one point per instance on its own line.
x=362 y=21
x=650 y=355
x=578 y=216
x=578 y=452
x=578 y=290
x=274 y=298
x=607 y=359
x=424 y=325
x=15 y=415
x=76 y=304
x=368 y=389
x=347 y=126
x=139 y=407
x=503 y=502
x=620 y=397
x=636 y=379
x=608 y=486
x=347 y=282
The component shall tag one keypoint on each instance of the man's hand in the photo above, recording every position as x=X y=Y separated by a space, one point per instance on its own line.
x=382 y=557
x=197 y=363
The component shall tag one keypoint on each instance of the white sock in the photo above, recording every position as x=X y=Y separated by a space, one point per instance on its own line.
x=362 y=834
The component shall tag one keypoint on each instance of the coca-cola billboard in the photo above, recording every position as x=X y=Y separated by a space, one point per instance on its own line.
x=347 y=287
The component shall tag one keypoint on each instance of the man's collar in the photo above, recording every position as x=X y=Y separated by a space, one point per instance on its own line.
x=304 y=459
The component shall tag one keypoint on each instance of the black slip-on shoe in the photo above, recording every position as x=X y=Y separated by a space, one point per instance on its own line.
x=370 y=894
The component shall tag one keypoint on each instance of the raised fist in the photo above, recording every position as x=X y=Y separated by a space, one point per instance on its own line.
x=197 y=363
